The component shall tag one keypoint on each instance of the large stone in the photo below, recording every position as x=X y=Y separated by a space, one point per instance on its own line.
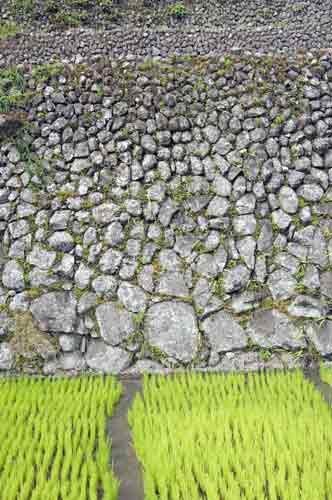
x=326 y=284
x=105 y=358
x=246 y=248
x=236 y=278
x=6 y=356
x=132 y=297
x=44 y=259
x=244 y=225
x=247 y=361
x=218 y=207
x=172 y=283
x=273 y=329
x=55 y=312
x=305 y=306
x=171 y=327
x=321 y=337
x=115 y=323
x=224 y=333
x=61 y=241
x=13 y=276
x=105 y=213
x=281 y=285
x=288 y=200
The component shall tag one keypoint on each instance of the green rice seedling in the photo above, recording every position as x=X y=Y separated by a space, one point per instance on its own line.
x=233 y=437
x=53 y=438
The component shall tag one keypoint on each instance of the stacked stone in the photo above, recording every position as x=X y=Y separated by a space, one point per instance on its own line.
x=169 y=214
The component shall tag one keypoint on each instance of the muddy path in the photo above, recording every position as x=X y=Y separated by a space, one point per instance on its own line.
x=313 y=375
x=125 y=464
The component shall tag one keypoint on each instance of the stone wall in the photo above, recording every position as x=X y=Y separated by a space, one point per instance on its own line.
x=66 y=29
x=166 y=214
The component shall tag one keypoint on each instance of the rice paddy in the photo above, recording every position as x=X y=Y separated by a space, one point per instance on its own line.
x=53 y=438
x=229 y=437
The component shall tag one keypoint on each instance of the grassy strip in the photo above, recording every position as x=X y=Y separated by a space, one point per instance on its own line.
x=222 y=437
x=53 y=438
x=8 y=30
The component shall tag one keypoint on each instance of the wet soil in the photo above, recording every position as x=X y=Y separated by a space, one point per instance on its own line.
x=125 y=464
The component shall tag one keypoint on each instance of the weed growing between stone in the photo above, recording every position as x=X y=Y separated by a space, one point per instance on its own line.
x=227 y=437
x=53 y=438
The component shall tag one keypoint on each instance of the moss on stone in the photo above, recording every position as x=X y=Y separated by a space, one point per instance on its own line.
x=29 y=343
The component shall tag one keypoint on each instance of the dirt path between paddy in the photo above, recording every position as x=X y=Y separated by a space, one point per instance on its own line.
x=125 y=464
x=313 y=375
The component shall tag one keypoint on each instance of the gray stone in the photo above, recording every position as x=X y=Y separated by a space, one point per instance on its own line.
x=86 y=302
x=311 y=278
x=69 y=343
x=132 y=297
x=105 y=285
x=110 y=261
x=44 y=259
x=207 y=265
x=273 y=329
x=145 y=278
x=104 y=358
x=105 y=213
x=13 y=276
x=19 y=228
x=222 y=186
x=246 y=301
x=246 y=204
x=6 y=356
x=281 y=219
x=288 y=200
x=236 y=278
x=326 y=284
x=244 y=225
x=169 y=260
x=265 y=238
x=211 y=134
x=246 y=248
x=83 y=276
x=55 y=312
x=41 y=277
x=317 y=249
x=72 y=361
x=281 y=285
x=115 y=323
x=217 y=207
x=171 y=327
x=247 y=361
x=172 y=283
x=222 y=147
x=305 y=306
x=320 y=336
x=114 y=234
x=310 y=192
x=61 y=241
x=224 y=333
x=146 y=366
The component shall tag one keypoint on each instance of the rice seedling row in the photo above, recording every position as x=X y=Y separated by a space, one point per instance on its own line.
x=229 y=437
x=53 y=438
